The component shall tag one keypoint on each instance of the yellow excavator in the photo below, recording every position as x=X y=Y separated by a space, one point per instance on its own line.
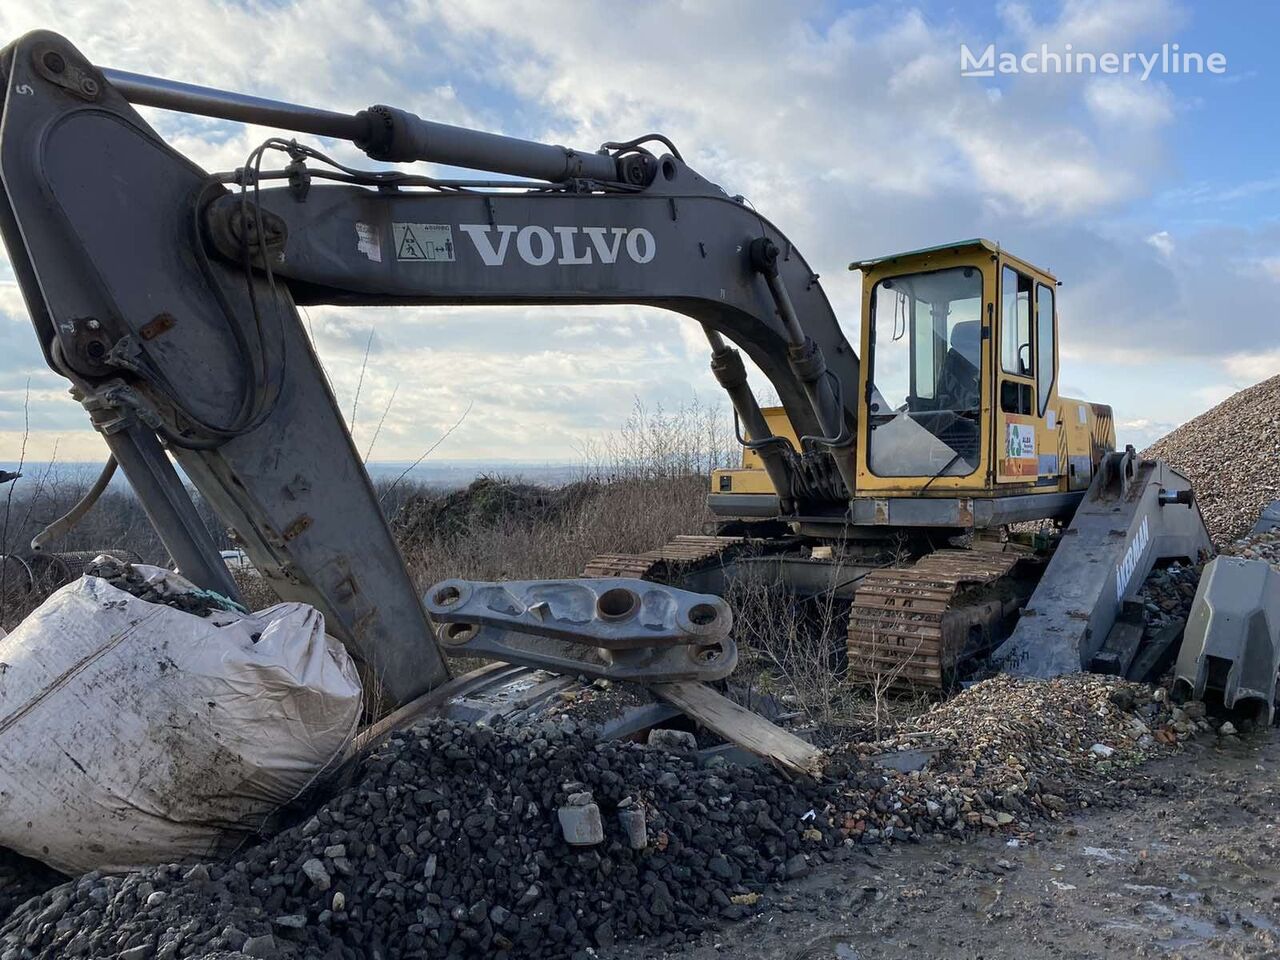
x=965 y=435
x=168 y=296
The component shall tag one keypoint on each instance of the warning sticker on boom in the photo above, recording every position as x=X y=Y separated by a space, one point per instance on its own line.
x=423 y=241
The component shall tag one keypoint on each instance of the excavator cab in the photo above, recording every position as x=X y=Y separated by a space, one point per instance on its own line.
x=960 y=420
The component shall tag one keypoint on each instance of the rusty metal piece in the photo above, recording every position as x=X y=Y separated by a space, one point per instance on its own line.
x=905 y=627
x=161 y=323
x=297 y=527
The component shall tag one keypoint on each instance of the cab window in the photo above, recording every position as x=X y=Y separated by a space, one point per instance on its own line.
x=1045 y=351
x=925 y=365
x=1015 y=326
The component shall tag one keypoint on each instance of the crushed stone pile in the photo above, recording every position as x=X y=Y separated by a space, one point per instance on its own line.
x=21 y=879
x=448 y=841
x=448 y=845
x=125 y=576
x=1231 y=454
x=1007 y=751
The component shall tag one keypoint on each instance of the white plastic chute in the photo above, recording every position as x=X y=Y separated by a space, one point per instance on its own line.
x=133 y=733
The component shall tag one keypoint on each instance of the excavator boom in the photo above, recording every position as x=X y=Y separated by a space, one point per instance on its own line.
x=169 y=296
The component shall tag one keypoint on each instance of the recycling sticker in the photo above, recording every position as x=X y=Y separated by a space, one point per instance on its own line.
x=423 y=241
x=1019 y=441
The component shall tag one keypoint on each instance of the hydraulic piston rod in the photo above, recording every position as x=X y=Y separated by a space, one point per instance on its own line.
x=384 y=133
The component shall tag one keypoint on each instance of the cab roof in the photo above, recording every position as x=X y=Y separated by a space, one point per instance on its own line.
x=959 y=247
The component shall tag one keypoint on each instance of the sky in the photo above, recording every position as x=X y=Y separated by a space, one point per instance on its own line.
x=1156 y=200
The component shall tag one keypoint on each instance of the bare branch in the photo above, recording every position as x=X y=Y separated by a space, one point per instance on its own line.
x=381 y=421
x=360 y=383
x=443 y=437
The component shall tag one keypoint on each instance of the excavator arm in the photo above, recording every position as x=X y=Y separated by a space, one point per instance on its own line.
x=169 y=298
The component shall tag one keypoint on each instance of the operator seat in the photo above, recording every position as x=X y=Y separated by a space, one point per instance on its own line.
x=959 y=389
x=958 y=381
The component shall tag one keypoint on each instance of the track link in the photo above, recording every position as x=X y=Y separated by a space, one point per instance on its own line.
x=906 y=627
x=676 y=556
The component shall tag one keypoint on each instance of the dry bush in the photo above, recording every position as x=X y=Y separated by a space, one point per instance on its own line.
x=796 y=649
x=511 y=542
x=635 y=491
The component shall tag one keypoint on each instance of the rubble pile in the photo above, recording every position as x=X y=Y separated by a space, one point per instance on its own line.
x=177 y=593
x=1167 y=593
x=21 y=879
x=486 y=502
x=1230 y=454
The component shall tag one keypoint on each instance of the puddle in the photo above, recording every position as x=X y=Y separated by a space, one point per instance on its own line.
x=1188 y=930
x=1257 y=920
x=990 y=897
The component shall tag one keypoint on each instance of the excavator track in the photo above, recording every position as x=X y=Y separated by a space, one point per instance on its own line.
x=910 y=625
x=673 y=557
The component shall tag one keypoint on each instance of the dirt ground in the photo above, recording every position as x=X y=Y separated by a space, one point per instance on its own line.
x=1186 y=867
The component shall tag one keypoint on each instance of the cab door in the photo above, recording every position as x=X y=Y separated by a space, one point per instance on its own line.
x=1019 y=424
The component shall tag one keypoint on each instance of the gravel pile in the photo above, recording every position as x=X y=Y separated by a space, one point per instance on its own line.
x=450 y=840
x=449 y=845
x=21 y=879
x=1232 y=456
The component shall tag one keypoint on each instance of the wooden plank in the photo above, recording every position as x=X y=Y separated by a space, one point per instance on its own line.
x=739 y=725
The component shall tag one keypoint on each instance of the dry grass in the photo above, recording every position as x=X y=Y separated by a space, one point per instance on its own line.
x=500 y=530
x=636 y=490
x=795 y=650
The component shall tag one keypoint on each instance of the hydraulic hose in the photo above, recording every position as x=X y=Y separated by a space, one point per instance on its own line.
x=73 y=516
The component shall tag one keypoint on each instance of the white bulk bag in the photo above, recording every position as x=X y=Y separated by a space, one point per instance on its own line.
x=132 y=733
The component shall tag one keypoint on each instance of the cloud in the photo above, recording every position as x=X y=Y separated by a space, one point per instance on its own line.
x=849 y=128
x=1249 y=368
x=1161 y=242
x=1141 y=432
x=1127 y=101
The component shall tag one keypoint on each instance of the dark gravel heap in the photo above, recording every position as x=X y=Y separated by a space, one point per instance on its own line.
x=448 y=844
x=21 y=879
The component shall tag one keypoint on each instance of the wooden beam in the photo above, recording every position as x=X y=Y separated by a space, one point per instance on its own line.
x=739 y=725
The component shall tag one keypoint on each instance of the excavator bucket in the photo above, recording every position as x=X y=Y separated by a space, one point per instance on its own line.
x=1231 y=648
